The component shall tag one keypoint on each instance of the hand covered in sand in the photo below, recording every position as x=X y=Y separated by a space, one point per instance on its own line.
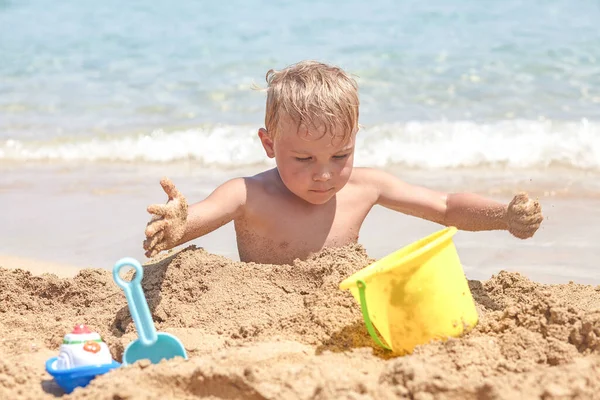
x=167 y=225
x=523 y=216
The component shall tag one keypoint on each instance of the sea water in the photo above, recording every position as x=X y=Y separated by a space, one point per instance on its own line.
x=442 y=84
x=487 y=96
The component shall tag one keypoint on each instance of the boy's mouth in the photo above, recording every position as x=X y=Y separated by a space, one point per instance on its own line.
x=321 y=190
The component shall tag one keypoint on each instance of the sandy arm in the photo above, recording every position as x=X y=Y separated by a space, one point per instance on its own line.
x=174 y=223
x=222 y=206
x=466 y=211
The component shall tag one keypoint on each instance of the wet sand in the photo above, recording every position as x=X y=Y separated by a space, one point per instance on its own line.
x=92 y=215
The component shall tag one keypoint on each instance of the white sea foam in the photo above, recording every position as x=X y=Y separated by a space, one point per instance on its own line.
x=421 y=145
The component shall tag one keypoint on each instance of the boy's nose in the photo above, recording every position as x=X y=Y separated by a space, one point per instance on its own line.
x=322 y=176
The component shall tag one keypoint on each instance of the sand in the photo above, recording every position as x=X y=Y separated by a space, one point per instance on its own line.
x=287 y=332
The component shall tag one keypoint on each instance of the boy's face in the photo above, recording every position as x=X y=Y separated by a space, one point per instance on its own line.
x=312 y=165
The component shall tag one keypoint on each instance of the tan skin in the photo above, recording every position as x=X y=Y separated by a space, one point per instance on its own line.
x=314 y=199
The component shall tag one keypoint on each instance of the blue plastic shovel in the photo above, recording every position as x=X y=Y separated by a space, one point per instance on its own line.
x=150 y=345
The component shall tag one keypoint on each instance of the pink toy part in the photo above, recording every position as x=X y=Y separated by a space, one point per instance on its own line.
x=81 y=328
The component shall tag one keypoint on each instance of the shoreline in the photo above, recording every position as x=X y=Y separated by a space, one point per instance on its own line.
x=549 y=183
x=91 y=216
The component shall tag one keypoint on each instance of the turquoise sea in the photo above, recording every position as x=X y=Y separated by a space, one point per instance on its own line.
x=98 y=100
x=459 y=83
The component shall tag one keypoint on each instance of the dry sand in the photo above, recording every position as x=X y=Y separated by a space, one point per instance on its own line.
x=287 y=332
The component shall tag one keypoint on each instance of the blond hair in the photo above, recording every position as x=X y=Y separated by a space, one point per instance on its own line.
x=312 y=94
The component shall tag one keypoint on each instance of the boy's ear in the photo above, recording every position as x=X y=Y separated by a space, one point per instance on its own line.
x=267 y=142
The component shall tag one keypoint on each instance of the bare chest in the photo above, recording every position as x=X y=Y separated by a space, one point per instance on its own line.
x=279 y=235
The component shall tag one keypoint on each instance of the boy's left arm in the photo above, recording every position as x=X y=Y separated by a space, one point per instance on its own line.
x=466 y=211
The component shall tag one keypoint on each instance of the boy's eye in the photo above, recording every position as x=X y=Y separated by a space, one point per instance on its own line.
x=303 y=158
x=341 y=157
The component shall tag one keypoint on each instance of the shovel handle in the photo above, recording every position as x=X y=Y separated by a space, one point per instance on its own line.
x=138 y=307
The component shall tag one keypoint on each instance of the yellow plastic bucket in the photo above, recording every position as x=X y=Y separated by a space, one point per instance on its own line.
x=415 y=295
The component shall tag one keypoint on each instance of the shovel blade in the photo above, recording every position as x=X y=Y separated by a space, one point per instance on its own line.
x=166 y=347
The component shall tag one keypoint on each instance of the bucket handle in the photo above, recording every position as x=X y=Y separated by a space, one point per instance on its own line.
x=362 y=286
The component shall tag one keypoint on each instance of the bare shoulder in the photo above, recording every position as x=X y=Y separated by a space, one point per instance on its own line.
x=369 y=178
x=231 y=191
x=376 y=177
x=379 y=183
x=264 y=187
x=266 y=181
x=367 y=175
x=365 y=183
x=260 y=181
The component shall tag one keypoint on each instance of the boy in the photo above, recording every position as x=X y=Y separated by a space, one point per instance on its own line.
x=314 y=198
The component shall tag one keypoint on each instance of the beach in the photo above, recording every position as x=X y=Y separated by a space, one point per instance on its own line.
x=99 y=101
x=256 y=331
x=271 y=332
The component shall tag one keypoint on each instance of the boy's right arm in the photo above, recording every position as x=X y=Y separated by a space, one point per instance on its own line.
x=173 y=223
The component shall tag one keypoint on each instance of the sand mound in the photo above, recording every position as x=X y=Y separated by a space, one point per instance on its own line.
x=271 y=332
